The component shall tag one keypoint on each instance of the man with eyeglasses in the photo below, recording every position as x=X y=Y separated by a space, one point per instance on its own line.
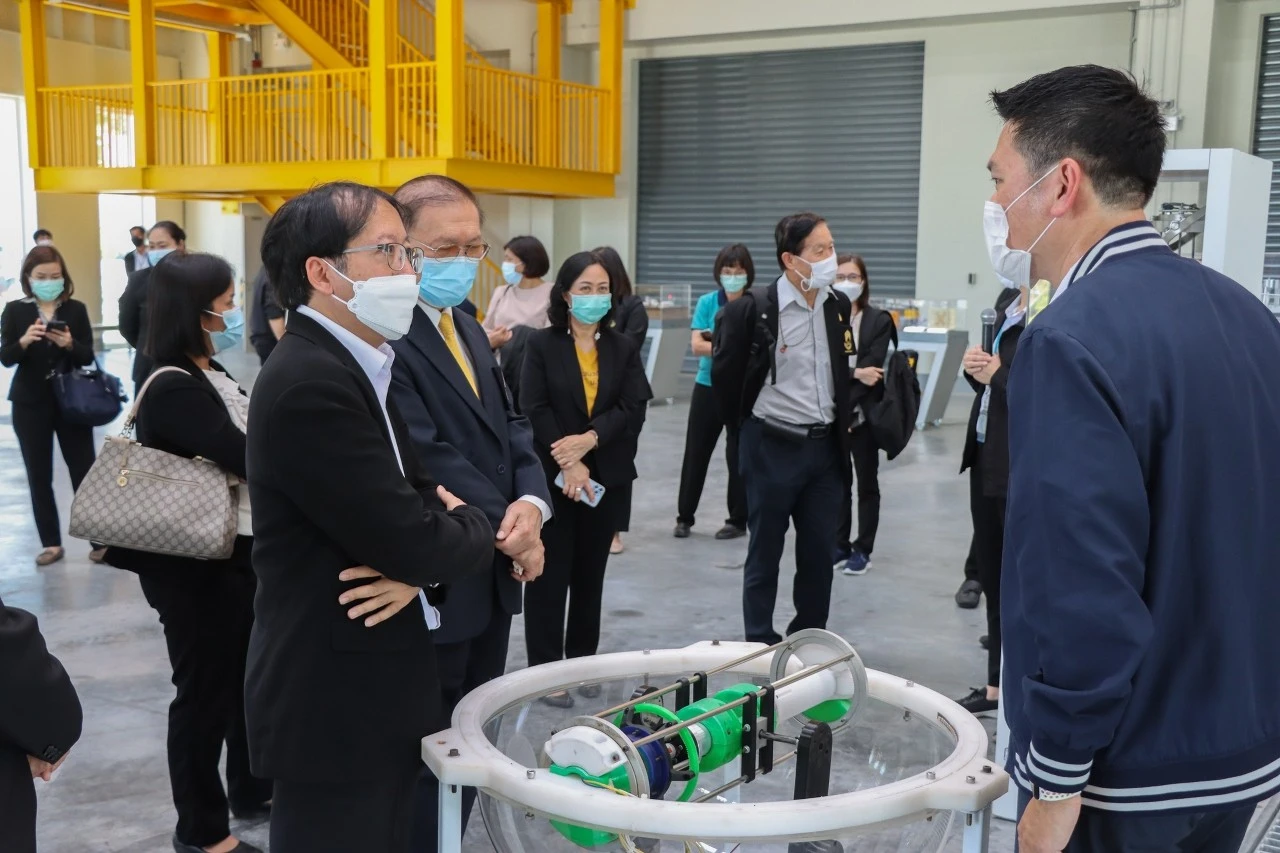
x=341 y=682
x=465 y=429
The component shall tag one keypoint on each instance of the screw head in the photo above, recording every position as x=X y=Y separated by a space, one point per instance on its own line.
x=930 y=775
x=715 y=642
x=971 y=780
x=531 y=774
x=453 y=753
x=986 y=768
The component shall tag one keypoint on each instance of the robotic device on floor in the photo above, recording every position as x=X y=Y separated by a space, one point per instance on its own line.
x=718 y=748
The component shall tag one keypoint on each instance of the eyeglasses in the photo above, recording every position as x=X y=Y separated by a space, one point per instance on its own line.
x=398 y=255
x=851 y=278
x=452 y=251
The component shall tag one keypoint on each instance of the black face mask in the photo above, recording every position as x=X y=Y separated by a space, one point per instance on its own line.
x=138 y=241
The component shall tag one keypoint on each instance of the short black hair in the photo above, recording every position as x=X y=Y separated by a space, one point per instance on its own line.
x=570 y=270
x=139 y=229
x=791 y=233
x=320 y=223
x=850 y=258
x=45 y=255
x=735 y=255
x=1099 y=117
x=183 y=287
x=619 y=281
x=173 y=229
x=433 y=191
x=532 y=254
x=41 y=233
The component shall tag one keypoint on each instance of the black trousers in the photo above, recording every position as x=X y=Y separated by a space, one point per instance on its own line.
x=374 y=816
x=462 y=667
x=700 y=438
x=622 y=496
x=35 y=425
x=577 y=543
x=988 y=551
x=866 y=468
x=788 y=481
x=971 y=562
x=207 y=617
x=17 y=802
x=1192 y=832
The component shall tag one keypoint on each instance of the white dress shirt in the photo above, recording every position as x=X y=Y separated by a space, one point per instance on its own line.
x=376 y=363
x=433 y=314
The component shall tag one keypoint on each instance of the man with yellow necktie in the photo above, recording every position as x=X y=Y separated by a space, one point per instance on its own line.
x=466 y=432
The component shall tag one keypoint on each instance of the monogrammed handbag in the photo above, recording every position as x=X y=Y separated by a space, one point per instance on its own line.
x=145 y=499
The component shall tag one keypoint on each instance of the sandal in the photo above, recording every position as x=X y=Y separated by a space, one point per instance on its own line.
x=49 y=556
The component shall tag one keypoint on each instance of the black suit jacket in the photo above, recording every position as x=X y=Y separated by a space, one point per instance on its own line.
x=131 y=262
x=327 y=699
x=133 y=321
x=552 y=397
x=875 y=333
x=995 y=456
x=37 y=362
x=744 y=349
x=478 y=448
x=631 y=319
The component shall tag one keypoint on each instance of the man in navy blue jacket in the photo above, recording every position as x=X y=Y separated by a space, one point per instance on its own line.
x=465 y=430
x=1142 y=558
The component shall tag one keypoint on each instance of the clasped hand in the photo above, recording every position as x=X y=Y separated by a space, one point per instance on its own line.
x=520 y=538
x=982 y=366
x=570 y=449
x=41 y=769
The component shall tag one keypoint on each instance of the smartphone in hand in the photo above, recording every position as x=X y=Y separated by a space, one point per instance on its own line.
x=595 y=487
x=56 y=326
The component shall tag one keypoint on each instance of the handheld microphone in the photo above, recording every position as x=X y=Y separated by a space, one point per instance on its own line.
x=988 y=329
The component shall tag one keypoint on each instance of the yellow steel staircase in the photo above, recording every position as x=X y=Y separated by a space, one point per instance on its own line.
x=395 y=92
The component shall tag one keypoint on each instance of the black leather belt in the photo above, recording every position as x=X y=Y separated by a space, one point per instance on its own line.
x=793 y=432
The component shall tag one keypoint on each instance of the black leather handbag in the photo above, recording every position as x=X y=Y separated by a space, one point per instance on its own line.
x=88 y=396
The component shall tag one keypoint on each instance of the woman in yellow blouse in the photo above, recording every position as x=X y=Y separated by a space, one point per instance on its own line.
x=584 y=390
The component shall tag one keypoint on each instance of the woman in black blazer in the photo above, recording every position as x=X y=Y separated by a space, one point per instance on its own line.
x=632 y=320
x=986 y=458
x=165 y=239
x=205 y=606
x=584 y=391
x=872 y=331
x=45 y=334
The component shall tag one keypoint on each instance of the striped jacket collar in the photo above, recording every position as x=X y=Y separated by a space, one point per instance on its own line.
x=1121 y=240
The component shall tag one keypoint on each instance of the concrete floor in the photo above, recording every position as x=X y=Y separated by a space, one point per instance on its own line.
x=113 y=792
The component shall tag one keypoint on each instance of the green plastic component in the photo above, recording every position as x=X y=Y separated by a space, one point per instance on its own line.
x=724 y=730
x=690 y=746
x=828 y=712
x=581 y=835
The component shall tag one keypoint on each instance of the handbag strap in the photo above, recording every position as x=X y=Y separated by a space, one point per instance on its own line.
x=137 y=403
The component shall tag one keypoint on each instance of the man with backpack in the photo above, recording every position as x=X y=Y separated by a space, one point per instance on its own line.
x=781 y=368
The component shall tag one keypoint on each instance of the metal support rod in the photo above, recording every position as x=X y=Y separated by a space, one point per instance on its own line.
x=736 y=782
x=977 y=832
x=778 y=738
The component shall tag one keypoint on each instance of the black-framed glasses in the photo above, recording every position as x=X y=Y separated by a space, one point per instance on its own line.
x=453 y=251
x=398 y=255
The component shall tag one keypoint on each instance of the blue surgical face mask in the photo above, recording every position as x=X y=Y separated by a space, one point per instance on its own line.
x=156 y=255
x=230 y=337
x=444 y=284
x=590 y=308
x=509 y=273
x=733 y=283
x=47 y=290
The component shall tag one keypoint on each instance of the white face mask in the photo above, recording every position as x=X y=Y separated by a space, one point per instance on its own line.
x=1011 y=264
x=821 y=273
x=384 y=303
x=853 y=291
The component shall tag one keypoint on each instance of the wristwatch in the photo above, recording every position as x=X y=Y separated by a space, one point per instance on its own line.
x=1045 y=796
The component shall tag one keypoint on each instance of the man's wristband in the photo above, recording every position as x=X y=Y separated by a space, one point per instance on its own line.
x=1045 y=796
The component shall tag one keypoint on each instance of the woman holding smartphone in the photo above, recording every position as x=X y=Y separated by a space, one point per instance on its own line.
x=584 y=390
x=45 y=334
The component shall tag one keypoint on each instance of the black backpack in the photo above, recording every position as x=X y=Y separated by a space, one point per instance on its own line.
x=893 y=419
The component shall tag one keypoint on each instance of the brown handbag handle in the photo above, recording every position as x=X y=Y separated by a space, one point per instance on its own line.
x=137 y=403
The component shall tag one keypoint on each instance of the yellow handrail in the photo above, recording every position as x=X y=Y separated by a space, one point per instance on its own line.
x=344 y=24
x=413 y=93
x=85 y=126
x=488 y=279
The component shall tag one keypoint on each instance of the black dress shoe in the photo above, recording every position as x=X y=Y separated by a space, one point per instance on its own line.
x=590 y=691
x=558 y=700
x=978 y=703
x=985 y=641
x=240 y=847
x=730 y=531
x=682 y=530
x=969 y=594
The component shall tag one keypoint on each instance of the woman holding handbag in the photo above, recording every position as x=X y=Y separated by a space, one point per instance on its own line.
x=43 y=335
x=191 y=408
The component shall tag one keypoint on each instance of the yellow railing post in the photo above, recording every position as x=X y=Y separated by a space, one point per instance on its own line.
x=142 y=56
x=451 y=84
x=34 y=74
x=612 y=16
x=219 y=67
x=383 y=30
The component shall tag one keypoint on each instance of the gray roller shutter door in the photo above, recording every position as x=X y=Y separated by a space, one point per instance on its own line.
x=730 y=144
x=1266 y=126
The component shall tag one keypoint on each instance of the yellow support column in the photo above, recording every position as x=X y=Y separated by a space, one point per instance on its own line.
x=549 y=37
x=547 y=102
x=451 y=84
x=383 y=18
x=142 y=57
x=219 y=45
x=34 y=72
x=612 y=20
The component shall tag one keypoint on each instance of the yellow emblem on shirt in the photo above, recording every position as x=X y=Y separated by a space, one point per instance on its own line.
x=848 y=342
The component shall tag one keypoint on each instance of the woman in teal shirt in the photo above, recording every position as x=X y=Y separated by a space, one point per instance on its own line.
x=734 y=273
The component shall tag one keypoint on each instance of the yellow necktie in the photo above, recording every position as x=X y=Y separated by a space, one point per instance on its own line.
x=450 y=335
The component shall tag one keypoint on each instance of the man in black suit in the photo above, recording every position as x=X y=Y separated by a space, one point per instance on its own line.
x=466 y=431
x=336 y=707
x=137 y=257
x=40 y=721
